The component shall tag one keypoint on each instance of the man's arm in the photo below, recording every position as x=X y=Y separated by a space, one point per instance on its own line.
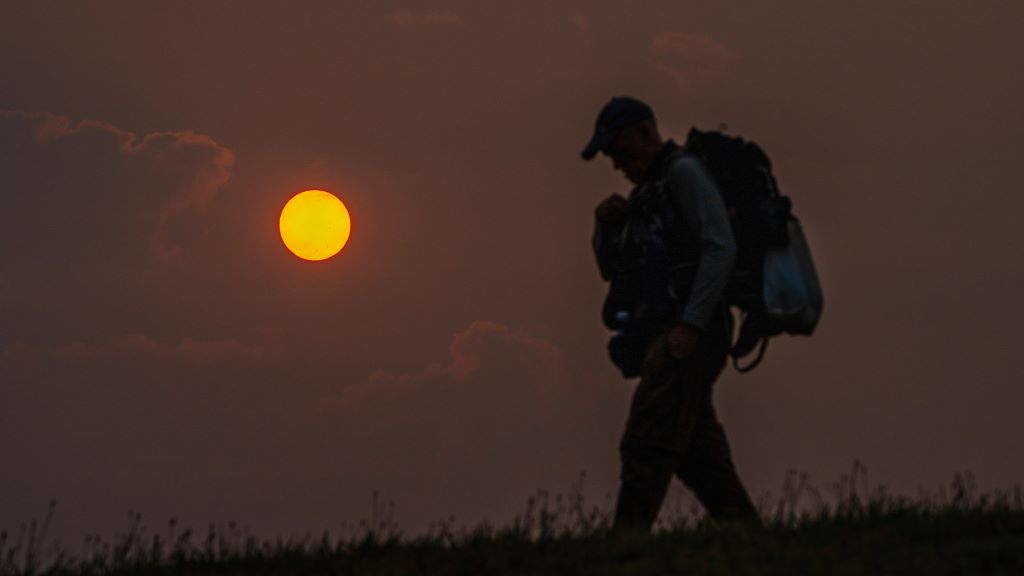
x=701 y=206
x=609 y=217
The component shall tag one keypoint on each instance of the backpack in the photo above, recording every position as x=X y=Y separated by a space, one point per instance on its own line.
x=774 y=283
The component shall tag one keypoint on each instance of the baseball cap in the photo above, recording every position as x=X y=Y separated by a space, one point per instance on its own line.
x=618 y=113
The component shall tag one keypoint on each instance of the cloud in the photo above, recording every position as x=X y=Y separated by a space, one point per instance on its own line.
x=579 y=21
x=108 y=224
x=407 y=18
x=141 y=347
x=6 y=290
x=488 y=364
x=187 y=168
x=477 y=432
x=690 y=58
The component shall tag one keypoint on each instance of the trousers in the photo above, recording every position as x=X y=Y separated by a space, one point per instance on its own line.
x=672 y=430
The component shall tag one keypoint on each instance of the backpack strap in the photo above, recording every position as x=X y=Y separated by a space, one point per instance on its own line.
x=757 y=360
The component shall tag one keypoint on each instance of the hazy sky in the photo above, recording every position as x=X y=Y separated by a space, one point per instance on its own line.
x=161 y=351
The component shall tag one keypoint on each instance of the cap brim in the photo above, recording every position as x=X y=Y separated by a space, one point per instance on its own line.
x=599 y=142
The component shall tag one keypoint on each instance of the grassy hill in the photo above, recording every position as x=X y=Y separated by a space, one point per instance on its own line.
x=857 y=531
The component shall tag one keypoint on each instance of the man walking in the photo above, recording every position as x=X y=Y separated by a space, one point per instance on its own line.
x=668 y=251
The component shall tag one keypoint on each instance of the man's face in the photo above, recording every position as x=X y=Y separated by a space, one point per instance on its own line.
x=627 y=154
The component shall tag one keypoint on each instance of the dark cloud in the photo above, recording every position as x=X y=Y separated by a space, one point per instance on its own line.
x=6 y=290
x=405 y=17
x=106 y=220
x=499 y=418
x=580 y=21
x=690 y=59
x=145 y=348
x=187 y=168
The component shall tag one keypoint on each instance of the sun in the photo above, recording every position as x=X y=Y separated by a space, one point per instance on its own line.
x=315 y=225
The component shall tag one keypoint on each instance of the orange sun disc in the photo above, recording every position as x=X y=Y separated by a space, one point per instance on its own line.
x=315 y=225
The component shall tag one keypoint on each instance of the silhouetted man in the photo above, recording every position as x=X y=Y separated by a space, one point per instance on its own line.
x=668 y=251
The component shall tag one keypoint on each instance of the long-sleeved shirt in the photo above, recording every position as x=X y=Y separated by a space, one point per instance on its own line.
x=697 y=233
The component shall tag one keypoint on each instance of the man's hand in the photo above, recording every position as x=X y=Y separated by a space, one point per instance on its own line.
x=611 y=210
x=681 y=340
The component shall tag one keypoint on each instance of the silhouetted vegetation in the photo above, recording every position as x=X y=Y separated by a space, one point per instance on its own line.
x=853 y=528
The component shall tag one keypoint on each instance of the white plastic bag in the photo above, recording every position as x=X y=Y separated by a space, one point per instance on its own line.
x=792 y=292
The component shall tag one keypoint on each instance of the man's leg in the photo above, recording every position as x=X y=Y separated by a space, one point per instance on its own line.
x=665 y=410
x=644 y=482
x=706 y=465
x=708 y=470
